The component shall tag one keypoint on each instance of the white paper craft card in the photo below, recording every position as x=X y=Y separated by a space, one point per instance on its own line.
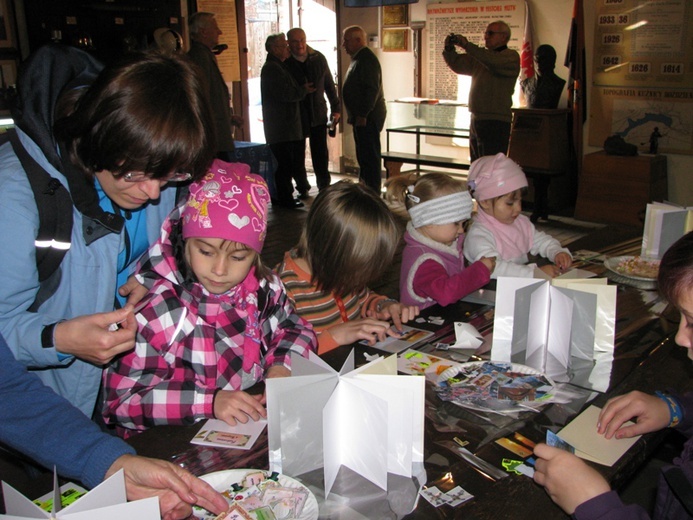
x=219 y=434
x=559 y=328
x=664 y=224
x=107 y=501
x=582 y=434
x=409 y=337
x=370 y=419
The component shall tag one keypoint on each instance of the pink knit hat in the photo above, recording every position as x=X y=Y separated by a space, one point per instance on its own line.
x=494 y=176
x=228 y=203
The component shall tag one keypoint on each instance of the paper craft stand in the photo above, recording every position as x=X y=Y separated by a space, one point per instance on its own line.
x=564 y=329
x=369 y=420
x=107 y=501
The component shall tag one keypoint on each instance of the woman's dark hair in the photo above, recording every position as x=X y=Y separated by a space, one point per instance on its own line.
x=147 y=113
x=676 y=270
x=349 y=238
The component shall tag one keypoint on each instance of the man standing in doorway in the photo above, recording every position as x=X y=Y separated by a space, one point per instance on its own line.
x=204 y=33
x=364 y=101
x=494 y=71
x=281 y=119
x=308 y=65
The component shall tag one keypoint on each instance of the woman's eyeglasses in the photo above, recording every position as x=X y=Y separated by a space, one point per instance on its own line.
x=140 y=177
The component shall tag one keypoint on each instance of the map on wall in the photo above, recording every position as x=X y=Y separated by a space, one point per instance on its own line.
x=642 y=75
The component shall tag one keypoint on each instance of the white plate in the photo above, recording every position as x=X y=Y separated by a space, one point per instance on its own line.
x=499 y=405
x=612 y=265
x=222 y=480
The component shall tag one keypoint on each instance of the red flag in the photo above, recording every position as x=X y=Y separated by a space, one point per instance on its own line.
x=527 y=52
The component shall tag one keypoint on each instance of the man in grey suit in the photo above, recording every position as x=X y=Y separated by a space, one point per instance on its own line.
x=362 y=94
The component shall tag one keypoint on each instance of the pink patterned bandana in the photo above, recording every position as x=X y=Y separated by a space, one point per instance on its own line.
x=228 y=203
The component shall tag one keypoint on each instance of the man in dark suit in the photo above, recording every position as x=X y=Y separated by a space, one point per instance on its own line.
x=364 y=101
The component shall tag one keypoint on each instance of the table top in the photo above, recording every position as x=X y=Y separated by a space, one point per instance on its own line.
x=645 y=358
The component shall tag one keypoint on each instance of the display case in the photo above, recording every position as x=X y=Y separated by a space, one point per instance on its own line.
x=437 y=132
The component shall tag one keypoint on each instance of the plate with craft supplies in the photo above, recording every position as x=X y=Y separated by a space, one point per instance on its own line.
x=255 y=494
x=638 y=271
x=493 y=386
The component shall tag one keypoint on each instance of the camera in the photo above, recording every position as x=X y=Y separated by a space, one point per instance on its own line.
x=453 y=39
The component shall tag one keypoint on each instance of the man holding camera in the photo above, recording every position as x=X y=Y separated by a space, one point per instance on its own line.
x=494 y=71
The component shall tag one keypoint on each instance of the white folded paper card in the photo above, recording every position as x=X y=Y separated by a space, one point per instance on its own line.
x=219 y=434
x=582 y=434
x=466 y=336
x=557 y=326
x=370 y=420
x=107 y=501
x=665 y=223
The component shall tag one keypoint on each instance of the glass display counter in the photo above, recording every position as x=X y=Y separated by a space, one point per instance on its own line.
x=429 y=118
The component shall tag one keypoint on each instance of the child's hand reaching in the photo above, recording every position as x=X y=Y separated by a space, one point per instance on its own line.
x=489 y=262
x=563 y=261
x=397 y=312
x=368 y=329
x=238 y=406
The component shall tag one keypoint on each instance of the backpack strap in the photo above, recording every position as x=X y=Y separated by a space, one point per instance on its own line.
x=54 y=206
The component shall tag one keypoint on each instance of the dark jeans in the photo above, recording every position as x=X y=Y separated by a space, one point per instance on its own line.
x=290 y=156
x=367 y=140
x=488 y=137
x=319 y=155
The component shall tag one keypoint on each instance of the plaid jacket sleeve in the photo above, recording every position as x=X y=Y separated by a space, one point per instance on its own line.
x=159 y=382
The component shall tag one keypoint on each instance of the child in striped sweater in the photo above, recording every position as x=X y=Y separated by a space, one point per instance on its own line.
x=350 y=236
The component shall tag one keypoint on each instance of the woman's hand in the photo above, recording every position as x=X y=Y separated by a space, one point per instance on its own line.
x=233 y=406
x=567 y=479
x=177 y=489
x=651 y=414
x=92 y=338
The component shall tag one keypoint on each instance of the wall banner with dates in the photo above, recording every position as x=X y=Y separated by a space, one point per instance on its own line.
x=643 y=77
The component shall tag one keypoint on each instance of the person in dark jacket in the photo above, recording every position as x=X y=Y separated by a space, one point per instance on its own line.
x=281 y=119
x=204 y=35
x=308 y=65
x=364 y=101
x=579 y=489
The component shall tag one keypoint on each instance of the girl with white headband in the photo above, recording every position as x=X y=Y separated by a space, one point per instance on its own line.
x=433 y=269
x=500 y=229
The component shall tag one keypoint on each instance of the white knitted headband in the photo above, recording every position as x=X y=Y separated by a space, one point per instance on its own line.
x=451 y=208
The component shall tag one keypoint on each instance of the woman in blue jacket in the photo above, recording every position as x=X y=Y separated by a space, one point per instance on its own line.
x=114 y=138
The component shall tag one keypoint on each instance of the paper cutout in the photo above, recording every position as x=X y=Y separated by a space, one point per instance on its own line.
x=466 y=336
x=219 y=434
x=413 y=362
x=404 y=339
x=107 y=501
x=370 y=420
x=582 y=434
x=560 y=328
x=665 y=223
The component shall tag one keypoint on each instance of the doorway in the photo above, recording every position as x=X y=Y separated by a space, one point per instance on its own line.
x=262 y=18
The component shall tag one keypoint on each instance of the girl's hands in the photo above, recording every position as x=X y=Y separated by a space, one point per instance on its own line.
x=567 y=479
x=563 y=261
x=489 y=262
x=237 y=406
x=550 y=269
x=396 y=312
x=650 y=413
x=368 y=329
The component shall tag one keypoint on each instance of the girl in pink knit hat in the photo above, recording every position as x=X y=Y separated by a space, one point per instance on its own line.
x=500 y=230
x=215 y=320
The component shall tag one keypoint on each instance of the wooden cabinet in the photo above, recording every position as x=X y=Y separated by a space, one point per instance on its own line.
x=615 y=189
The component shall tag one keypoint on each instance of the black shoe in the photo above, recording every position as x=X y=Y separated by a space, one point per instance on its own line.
x=303 y=195
x=290 y=204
